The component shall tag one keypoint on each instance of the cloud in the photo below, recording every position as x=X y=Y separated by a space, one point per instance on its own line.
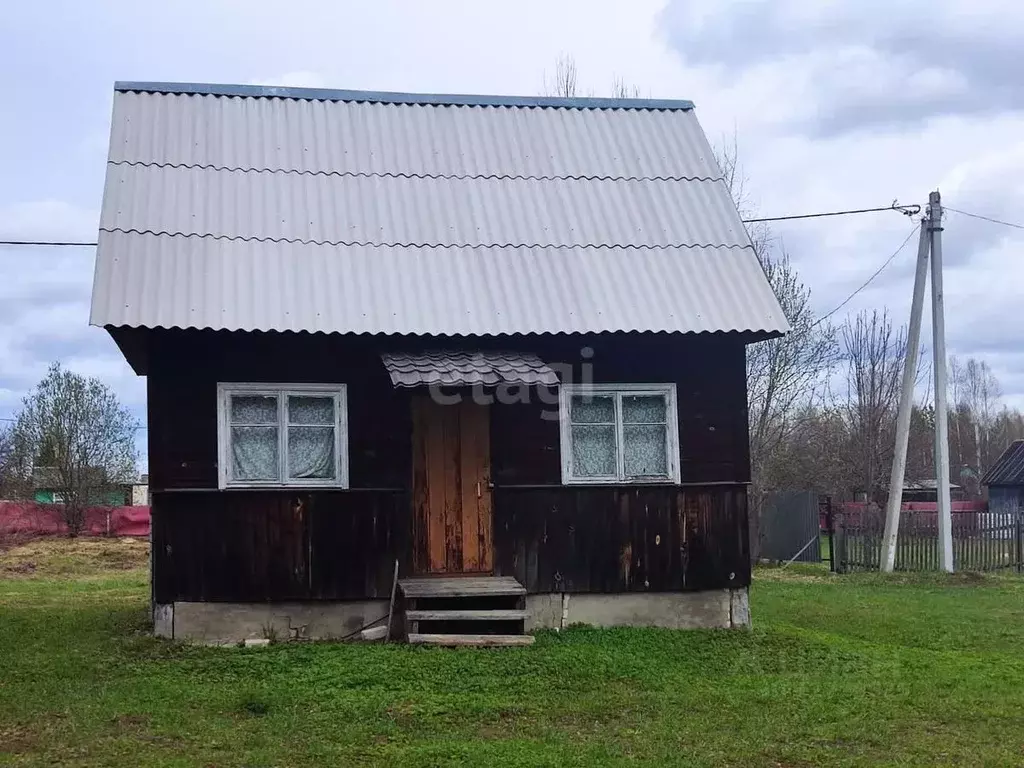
x=847 y=66
x=44 y=304
x=48 y=220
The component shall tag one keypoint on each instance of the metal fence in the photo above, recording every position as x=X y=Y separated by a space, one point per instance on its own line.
x=982 y=540
x=790 y=527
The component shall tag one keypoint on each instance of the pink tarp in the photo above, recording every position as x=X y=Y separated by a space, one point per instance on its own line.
x=32 y=519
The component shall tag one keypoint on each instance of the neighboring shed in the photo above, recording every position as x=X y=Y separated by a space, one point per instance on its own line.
x=498 y=340
x=1005 y=480
x=46 y=488
x=928 y=491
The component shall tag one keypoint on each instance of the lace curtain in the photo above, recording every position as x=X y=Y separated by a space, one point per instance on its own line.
x=595 y=422
x=255 y=437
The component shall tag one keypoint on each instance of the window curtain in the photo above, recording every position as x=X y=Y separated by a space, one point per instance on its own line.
x=254 y=453
x=311 y=452
x=311 y=437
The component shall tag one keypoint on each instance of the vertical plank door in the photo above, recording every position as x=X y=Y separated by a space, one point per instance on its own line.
x=451 y=487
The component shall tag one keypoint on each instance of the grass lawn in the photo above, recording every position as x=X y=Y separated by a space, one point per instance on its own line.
x=851 y=670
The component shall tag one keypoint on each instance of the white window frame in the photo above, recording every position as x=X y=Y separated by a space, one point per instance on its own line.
x=282 y=391
x=668 y=391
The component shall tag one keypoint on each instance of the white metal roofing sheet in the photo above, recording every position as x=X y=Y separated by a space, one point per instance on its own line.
x=346 y=214
x=318 y=136
x=416 y=210
x=191 y=282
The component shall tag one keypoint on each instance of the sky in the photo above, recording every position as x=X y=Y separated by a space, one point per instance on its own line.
x=832 y=104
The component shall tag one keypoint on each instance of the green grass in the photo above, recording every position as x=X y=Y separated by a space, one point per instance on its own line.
x=852 y=670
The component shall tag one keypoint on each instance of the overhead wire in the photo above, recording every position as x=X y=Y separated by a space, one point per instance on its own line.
x=867 y=282
x=64 y=243
x=984 y=218
x=906 y=210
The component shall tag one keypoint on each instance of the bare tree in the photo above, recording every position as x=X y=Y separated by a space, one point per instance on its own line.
x=622 y=91
x=873 y=351
x=77 y=427
x=565 y=81
x=8 y=473
x=785 y=375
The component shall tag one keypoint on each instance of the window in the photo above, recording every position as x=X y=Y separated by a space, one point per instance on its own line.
x=621 y=433
x=282 y=435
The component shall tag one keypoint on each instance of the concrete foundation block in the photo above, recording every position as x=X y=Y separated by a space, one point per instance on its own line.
x=218 y=623
x=673 y=610
x=233 y=623
x=163 y=620
x=544 y=611
x=739 y=608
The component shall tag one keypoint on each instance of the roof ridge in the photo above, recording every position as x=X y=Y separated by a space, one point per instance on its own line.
x=396 y=244
x=406 y=175
x=395 y=97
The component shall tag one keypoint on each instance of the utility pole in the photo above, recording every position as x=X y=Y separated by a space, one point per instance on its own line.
x=939 y=363
x=899 y=459
x=930 y=242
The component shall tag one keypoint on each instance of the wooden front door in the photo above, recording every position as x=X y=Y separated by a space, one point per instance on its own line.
x=451 y=484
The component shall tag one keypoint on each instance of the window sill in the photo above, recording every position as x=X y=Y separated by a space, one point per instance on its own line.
x=617 y=481
x=285 y=487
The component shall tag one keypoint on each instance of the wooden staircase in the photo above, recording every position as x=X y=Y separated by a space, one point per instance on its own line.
x=465 y=610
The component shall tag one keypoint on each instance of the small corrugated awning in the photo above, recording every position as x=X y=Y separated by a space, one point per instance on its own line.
x=462 y=369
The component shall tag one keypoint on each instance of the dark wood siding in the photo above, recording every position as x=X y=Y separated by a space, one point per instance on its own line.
x=277 y=545
x=253 y=546
x=182 y=390
x=623 y=540
x=710 y=379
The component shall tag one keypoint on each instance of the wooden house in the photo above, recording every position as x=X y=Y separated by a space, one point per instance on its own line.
x=1004 y=481
x=497 y=341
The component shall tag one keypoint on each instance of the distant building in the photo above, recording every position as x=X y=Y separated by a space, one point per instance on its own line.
x=46 y=490
x=927 y=490
x=1005 y=480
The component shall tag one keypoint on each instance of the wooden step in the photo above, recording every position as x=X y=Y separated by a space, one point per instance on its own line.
x=481 y=615
x=461 y=586
x=476 y=640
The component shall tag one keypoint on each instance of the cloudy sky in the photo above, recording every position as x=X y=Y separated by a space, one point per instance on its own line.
x=834 y=105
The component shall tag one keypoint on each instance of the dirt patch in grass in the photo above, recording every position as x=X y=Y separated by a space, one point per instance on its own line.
x=17 y=740
x=64 y=557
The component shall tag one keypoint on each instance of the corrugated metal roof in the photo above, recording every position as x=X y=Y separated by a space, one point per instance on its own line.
x=414 y=140
x=288 y=211
x=1009 y=468
x=441 y=368
x=201 y=282
x=387 y=210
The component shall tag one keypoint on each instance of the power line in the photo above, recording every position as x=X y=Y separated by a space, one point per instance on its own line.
x=72 y=243
x=984 y=218
x=906 y=210
x=867 y=282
